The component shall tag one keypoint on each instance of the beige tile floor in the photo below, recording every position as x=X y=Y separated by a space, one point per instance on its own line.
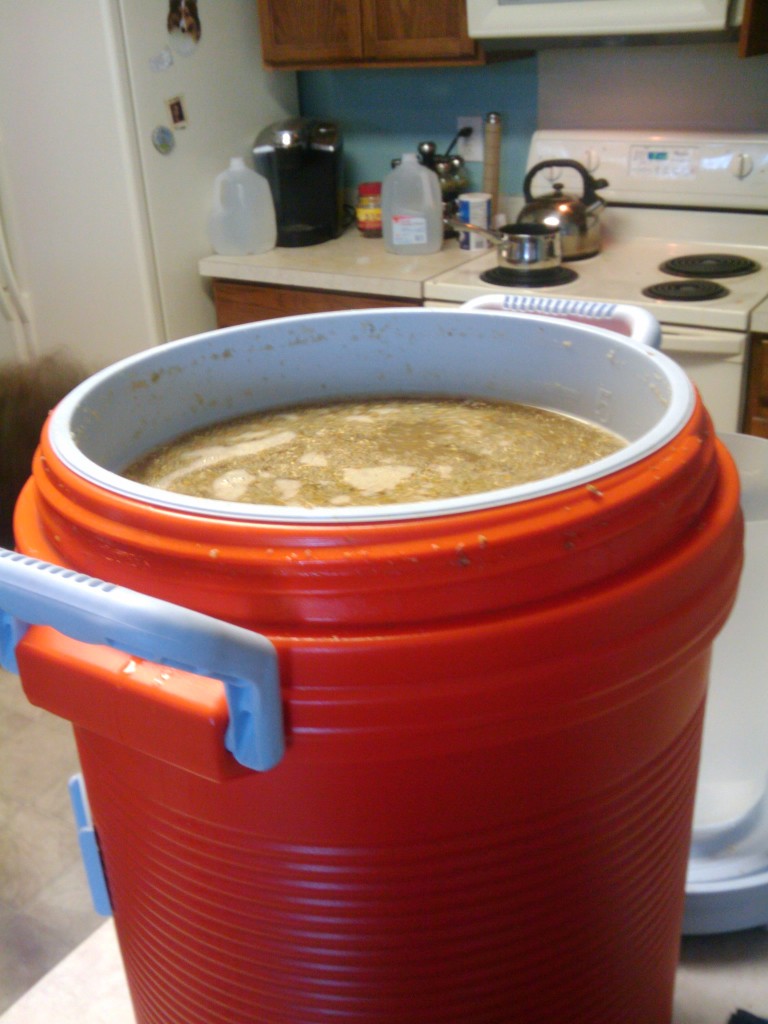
x=45 y=906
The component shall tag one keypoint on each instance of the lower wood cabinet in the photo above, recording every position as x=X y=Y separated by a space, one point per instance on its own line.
x=756 y=414
x=240 y=302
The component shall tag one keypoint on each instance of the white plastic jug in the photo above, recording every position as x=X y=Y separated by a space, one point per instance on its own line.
x=243 y=217
x=412 y=209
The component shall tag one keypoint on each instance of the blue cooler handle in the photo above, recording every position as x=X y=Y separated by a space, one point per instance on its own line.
x=633 y=322
x=33 y=592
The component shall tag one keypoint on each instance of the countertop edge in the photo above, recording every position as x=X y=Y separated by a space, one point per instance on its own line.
x=350 y=264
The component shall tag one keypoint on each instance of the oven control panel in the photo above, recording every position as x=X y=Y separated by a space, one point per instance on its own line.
x=687 y=170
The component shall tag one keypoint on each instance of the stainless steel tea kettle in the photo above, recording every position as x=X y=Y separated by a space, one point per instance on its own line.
x=576 y=217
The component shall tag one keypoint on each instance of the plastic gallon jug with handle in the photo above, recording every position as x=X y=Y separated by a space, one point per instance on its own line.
x=243 y=216
x=453 y=778
x=412 y=209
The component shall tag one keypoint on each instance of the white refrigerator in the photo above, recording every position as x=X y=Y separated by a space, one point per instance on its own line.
x=115 y=118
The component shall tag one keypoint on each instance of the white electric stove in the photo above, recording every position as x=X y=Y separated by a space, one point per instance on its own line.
x=668 y=196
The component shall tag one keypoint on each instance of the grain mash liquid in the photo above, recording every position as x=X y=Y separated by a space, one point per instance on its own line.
x=375 y=452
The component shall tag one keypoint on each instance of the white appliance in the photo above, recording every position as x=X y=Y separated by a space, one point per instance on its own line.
x=113 y=125
x=686 y=195
x=508 y=19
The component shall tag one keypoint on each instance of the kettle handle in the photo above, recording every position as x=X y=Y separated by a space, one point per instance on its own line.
x=33 y=592
x=590 y=184
x=633 y=322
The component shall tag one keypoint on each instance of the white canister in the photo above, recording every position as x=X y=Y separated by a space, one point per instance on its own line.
x=474 y=208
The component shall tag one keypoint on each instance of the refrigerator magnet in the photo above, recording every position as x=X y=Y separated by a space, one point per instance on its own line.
x=184 y=27
x=177 y=111
x=163 y=140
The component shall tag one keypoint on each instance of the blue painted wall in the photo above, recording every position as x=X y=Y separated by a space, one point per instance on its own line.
x=384 y=113
x=687 y=87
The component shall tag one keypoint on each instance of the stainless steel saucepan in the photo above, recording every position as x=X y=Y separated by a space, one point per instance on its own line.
x=522 y=247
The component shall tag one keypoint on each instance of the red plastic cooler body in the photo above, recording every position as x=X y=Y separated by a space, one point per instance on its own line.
x=492 y=726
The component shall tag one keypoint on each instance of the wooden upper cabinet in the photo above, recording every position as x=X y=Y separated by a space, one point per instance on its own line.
x=753 y=39
x=416 y=29
x=310 y=31
x=308 y=34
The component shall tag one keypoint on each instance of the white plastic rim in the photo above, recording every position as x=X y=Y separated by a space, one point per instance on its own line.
x=125 y=410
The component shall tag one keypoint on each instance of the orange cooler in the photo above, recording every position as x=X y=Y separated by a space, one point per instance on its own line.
x=430 y=763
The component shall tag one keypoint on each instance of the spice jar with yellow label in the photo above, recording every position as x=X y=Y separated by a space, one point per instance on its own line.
x=368 y=209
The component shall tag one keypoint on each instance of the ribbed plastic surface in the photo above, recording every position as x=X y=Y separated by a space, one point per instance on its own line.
x=569 y=914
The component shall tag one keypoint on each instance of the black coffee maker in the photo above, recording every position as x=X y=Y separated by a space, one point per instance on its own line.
x=301 y=160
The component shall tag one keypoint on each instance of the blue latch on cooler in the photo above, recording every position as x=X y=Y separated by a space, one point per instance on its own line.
x=89 y=847
x=12 y=631
x=33 y=592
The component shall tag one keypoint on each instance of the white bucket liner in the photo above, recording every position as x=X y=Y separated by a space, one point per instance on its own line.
x=574 y=366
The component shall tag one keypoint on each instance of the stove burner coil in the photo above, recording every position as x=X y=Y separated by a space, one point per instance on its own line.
x=695 y=290
x=508 y=278
x=713 y=264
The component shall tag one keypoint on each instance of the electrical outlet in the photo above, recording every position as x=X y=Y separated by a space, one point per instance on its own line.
x=471 y=148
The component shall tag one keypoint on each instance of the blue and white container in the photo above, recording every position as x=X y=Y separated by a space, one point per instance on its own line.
x=474 y=208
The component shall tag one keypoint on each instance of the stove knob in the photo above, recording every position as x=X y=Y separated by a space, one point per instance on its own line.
x=591 y=160
x=741 y=165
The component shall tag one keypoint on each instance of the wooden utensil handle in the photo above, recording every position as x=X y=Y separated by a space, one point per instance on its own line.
x=492 y=159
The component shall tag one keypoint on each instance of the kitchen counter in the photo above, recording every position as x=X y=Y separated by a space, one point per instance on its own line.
x=350 y=263
x=717 y=975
